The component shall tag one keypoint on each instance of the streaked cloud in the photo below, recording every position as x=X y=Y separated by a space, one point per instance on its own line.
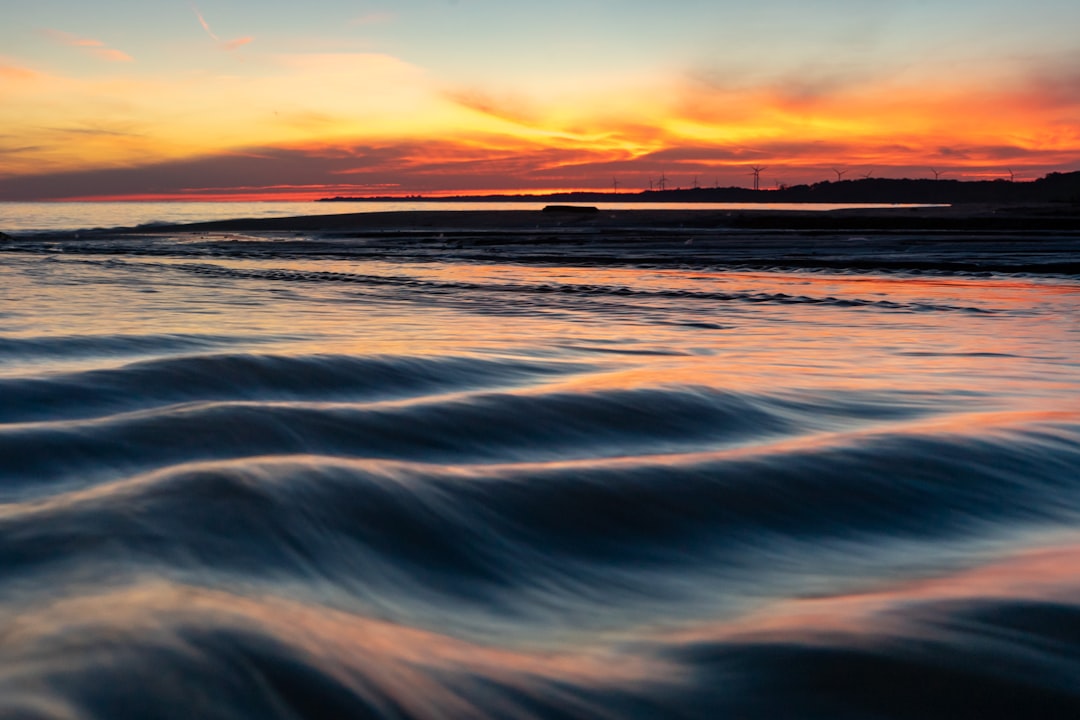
x=205 y=25
x=513 y=110
x=482 y=162
x=94 y=47
x=237 y=43
x=233 y=44
x=113 y=55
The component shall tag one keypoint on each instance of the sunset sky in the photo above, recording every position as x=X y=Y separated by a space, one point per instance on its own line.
x=273 y=98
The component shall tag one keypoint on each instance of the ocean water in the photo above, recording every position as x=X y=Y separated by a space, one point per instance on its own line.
x=241 y=482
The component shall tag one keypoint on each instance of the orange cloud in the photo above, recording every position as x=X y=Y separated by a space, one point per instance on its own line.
x=352 y=121
x=237 y=43
x=829 y=118
x=13 y=73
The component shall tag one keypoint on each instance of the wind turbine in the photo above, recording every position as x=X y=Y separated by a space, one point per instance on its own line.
x=866 y=176
x=615 y=185
x=1012 y=177
x=840 y=174
x=757 y=176
x=937 y=173
x=663 y=182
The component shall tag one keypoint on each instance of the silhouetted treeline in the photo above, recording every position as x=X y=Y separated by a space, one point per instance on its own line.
x=1055 y=187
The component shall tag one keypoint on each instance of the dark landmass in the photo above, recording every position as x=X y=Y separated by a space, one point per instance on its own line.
x=571 y=209
x=958 y=218
x=1054 y=188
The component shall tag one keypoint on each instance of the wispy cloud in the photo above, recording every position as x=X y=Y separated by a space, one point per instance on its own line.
x=95 y=47
x=113 y=55
x=510 y=109
x=93 y=131
x=17 y=150
x=205 y=25
x=224 y=44
x=237 y=42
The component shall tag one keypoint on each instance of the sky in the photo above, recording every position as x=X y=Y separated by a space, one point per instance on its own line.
x=279 y=99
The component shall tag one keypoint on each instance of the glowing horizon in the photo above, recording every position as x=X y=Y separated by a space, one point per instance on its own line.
x=471 y=97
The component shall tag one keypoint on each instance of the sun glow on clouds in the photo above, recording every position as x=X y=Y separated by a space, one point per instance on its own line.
x=349 y=121
x=142 y=120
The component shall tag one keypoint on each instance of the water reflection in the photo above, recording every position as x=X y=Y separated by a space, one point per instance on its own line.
x=319 y=488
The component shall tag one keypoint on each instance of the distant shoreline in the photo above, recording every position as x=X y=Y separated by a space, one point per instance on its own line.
x=981 y=217
x=1055 y=187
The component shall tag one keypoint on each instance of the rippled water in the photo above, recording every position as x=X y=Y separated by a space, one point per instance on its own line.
x=263 y=486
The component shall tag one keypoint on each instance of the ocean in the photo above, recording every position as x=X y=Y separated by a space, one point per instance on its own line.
x=239 y=480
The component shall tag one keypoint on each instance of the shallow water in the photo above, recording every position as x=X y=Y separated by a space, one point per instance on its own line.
x=264 y=486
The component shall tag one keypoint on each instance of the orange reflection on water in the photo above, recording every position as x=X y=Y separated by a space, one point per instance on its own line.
x=417 y=668
x=1047 y=574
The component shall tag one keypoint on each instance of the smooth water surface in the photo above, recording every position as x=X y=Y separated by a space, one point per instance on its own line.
x=263 y=486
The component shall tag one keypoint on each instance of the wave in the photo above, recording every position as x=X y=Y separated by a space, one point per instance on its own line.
x=468 y=292
x=577 y=290
x=521 y=525
x=431 y=490
x=85 y=347
x=174 y=650
x=948 y=254
x=154 y=637
x=488 y=427
x=311 y=586
x=261 y=377
x=224 y=407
